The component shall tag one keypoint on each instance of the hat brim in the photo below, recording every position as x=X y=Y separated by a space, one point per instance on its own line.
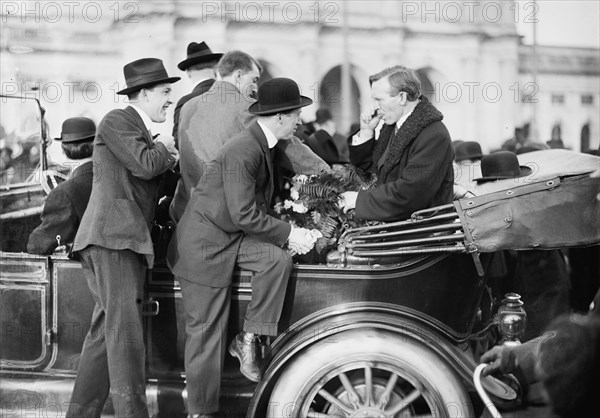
x=71 y=141
x=254 y=108
x=186 y=63
x=132 y=89
x=523 y=171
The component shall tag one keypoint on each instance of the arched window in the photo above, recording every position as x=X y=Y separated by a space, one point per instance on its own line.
x=330 y=97
x=266 y=72
x=427 y=88
x=585 y=138
x=556 y=132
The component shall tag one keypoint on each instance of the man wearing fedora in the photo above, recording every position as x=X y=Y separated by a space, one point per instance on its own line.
x=65 y=205
x=412 y=155
x=208 y=121
x=200 y=67
x=226 y=224
x=114 y=243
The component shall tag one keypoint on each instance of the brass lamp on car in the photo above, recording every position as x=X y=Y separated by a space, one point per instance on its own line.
x=512 y=319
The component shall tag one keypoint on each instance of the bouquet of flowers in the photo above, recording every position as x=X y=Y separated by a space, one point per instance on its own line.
x=314 y=204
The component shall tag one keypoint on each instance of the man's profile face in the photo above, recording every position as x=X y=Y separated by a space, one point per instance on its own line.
x=390 y=107
x=155 y=102
x=248 y=82
x=290 y=121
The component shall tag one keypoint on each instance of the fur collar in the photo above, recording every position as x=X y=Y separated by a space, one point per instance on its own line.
x=424 y=115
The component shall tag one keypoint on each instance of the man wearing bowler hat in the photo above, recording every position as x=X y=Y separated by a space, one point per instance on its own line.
x=114 y=242
x=200 y=67
x=227 y=215
x=65 y=205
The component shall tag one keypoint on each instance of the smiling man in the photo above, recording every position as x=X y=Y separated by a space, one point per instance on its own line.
x=115 y=245
x=411 y=157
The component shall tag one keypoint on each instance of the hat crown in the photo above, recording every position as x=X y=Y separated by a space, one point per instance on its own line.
x=198 y=53
x=145 y=72
x=323 y=115
x=500 y=164
x=77 y=128
x=195 y=49
x=278 y=95
x=468 y=150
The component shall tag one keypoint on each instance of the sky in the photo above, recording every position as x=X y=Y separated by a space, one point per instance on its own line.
x=561 y=22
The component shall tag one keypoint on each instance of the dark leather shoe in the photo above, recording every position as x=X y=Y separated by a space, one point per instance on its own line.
x=247 y=354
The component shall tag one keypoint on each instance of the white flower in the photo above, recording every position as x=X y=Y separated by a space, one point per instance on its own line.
x=278 y=208
x=299 y=207
x=301 y=178
x=287 y=204
x=294 y=194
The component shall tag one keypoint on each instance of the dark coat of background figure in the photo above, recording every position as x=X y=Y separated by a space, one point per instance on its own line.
x=63 y=210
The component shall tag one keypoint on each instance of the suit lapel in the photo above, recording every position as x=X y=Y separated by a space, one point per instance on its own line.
x=140 y=123
x=259 y=135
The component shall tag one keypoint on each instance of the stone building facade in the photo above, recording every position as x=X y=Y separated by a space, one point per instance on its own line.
x=473 y=65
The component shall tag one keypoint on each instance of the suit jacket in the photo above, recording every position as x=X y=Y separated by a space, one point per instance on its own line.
x=200 y=88
x=124 y=192
x=63 y=209
x=230 y=200
x=415 y=171
x=207 y=122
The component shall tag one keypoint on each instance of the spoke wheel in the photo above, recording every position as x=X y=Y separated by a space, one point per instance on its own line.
x=368 y=373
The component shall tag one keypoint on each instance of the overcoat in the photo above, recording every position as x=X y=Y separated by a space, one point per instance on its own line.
x=200 y=88
x=413 y=167
x=231 y=199
x=207 y=122
x=63 y=209
x=125 y=186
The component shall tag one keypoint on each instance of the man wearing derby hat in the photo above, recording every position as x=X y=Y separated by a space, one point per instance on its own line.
x=114 y=243
x=227 y=214
x=208 y=121
x=200 y=67
x=65 y=205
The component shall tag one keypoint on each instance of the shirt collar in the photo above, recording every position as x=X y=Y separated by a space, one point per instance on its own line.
x=403 y=119
x=145 y=118
x=271 y=138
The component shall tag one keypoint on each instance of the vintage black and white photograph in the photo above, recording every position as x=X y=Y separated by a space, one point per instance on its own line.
x=299 y=208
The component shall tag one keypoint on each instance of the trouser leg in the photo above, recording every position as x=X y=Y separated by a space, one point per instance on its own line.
x=92 y=383
x=119 y=277
x=206 y=317
x=272 y=267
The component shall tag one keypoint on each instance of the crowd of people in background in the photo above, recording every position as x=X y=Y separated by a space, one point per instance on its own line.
x=227 y=120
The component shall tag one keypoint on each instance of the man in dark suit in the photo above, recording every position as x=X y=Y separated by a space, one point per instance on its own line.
x=200 y=67
x=114 y=242
x=208 y=121
x=225 y=223
x=412 y=156
x=65 y=205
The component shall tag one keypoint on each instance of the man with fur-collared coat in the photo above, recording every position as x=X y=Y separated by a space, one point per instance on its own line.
x=412 y=157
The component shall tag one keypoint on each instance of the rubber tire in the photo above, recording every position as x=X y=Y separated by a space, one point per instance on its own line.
x=368 y=345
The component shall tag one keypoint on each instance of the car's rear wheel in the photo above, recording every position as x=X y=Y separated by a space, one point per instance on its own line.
x=368 y=373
